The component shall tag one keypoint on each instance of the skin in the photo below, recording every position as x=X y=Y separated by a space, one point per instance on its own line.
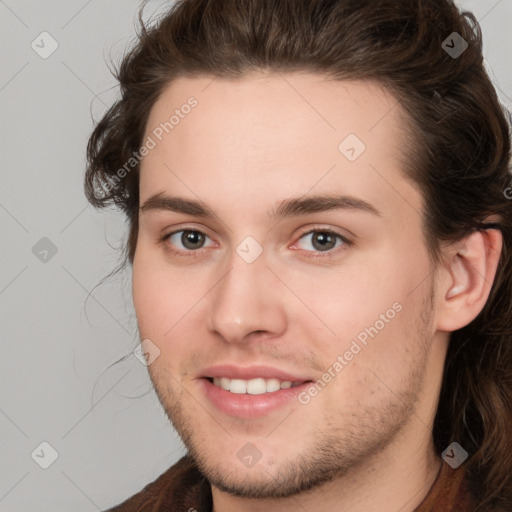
x=366 y=438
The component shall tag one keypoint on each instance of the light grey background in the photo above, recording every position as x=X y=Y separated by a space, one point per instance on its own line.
x=106 y=424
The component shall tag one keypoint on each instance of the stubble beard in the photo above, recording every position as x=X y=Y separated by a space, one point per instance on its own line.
x=330 y=453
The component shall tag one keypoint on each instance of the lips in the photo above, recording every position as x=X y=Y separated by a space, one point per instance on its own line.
x=252 y=391
x=252 y=372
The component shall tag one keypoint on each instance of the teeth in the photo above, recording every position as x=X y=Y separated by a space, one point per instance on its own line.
x=256 y=386
x=224 y=383
x=273 y=385
x=238 y=386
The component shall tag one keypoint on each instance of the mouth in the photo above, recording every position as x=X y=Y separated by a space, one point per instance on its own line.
x=255 y=386
x=251 y=391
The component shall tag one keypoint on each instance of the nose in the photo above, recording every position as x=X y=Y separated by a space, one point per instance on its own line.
x=248 y=302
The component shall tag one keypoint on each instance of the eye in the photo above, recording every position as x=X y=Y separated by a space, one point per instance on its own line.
x=323 y=240
x=190 y=240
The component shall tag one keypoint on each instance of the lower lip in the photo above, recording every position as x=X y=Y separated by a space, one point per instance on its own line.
x=246 y=405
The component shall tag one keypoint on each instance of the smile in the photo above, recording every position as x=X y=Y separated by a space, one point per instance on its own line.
x=257 y=386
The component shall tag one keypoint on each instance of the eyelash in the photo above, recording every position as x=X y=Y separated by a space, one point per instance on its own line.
x=316 y=254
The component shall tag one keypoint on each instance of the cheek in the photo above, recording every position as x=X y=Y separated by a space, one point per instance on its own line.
x=154 y=296
x=370 y=311
x=163 y=297
x=380 y=359
x=351 y=299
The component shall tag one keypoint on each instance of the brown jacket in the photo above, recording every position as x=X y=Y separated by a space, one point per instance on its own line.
x=182 y=488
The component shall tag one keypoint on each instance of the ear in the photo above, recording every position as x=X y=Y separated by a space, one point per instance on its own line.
x=466 y=277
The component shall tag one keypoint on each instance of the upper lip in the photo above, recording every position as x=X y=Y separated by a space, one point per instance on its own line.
x=251 y=372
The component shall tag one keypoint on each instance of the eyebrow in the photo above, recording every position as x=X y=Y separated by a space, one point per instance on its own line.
x=287 y=208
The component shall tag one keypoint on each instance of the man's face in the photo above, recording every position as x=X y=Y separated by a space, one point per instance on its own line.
x=335 y=300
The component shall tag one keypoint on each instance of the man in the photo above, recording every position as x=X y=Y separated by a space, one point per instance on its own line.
x=320 y=240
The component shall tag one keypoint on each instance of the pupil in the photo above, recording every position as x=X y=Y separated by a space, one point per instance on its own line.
x=322 y=238
x=191 y=238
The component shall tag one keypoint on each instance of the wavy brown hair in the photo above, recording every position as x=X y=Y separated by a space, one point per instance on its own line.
x=459 y=155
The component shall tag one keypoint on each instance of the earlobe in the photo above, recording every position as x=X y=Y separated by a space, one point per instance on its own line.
x=469 y=274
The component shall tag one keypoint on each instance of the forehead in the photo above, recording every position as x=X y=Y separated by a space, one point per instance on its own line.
x=259 y=102
x=294 y=131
